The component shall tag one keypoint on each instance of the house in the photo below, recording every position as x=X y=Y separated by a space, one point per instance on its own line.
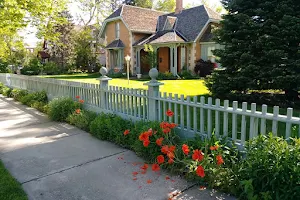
x=180 y=38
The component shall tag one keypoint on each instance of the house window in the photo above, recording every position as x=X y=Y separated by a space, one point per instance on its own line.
x=116 y=58
x=207 y=51
x=183 y=57
x=117 y=28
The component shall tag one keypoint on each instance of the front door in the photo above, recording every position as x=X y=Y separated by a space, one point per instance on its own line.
x=163 y=59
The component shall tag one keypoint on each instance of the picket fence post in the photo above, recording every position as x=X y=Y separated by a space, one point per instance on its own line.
x=103 y=87
x=153 y=93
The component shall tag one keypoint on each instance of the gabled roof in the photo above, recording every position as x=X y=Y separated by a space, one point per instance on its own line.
x=115 y=44
x=137 y=19
x=190 y=22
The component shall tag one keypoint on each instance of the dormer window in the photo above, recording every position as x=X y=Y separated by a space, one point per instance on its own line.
x=170 y=23
x=117 y=29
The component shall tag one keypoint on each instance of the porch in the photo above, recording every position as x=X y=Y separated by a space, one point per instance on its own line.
x=170 y=58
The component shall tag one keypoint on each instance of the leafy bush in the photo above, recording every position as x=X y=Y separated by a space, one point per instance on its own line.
x=110 y=127
x=6 y=91
x=1 y=86
x=271 y=169
x=17 y=94
x=203 y=68
x=51 y=68
x=40 y=106
x=33 y=68
x=82 y=120
x=166 y=76
x=61 y=108
x=3 y=67
x=30 y=98
x=185 y=74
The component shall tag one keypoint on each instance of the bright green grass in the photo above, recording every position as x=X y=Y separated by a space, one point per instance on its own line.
x=10 y=189
x=185 y=87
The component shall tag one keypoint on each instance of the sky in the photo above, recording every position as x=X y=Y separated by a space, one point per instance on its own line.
x=31 y=40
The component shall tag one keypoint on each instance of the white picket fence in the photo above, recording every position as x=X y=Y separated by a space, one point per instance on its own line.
x=193 y=115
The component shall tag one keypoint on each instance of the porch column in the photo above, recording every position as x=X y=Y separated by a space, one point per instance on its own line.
x=138 y=61
x=172 y=59
x=175 y=60
x=155 y=53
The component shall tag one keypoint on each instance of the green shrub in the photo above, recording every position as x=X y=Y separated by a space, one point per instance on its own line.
x=33 y=68
x=271 y=169
x=110 y=127
x=61 y=108
x=6 y=91
x=185 y=74
x=40 y=106
x=1 y=86
x=30 y=98
x=82 y=120
x=17 y=94
x=51 y=68
x=166 y=76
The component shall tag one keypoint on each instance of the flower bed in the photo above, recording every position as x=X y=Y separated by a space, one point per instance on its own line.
x=268 y=169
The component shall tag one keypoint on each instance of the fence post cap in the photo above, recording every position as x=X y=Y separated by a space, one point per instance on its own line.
x=104 y=72
x=153 y=73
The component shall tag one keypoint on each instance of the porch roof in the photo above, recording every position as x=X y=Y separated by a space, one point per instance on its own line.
x=162 y=37
x=115 y=44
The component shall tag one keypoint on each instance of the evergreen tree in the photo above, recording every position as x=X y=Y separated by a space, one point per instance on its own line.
x=261 y=47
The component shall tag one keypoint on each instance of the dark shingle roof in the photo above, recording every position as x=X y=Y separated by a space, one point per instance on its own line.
x=115 y=44
x=191 y=21
x=117 y=13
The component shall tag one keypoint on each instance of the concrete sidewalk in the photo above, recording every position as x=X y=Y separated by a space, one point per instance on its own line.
x=56 y=161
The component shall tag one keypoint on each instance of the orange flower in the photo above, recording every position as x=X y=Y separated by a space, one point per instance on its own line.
x=165 y=149
x=200 y=171
x=167 y=177
x=164 y=125
x=172 y=125
x=159 y=141
x=220 y=160
x=135 y=173
x=170 y=161
x=81 y=101
x=126 y=132
x=212 y=148
x=160 y=159
x=77 y=111
x=185 y=149
x=134 y=179
x=144 y=167
x=198 y=155
x=143 y=172
x=166 y=130
x=171 y=155
x=150 y=132
x=169 y=113
x=77 y=97
x=172 y=148
x=146 y=143
x=144 y=136
x=149 y=181
x=155 y=167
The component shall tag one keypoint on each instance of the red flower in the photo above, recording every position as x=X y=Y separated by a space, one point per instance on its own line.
x=126 y=132
x=144 y=136
x=164 y=125
x=77 y=111
x=170 y=161
x=144 y=167
x=77 y=97
x=167 y=177
x=165 y=149
x=155 y=167
x=219 y=159
x=134 y=179
x=198 y=155
x=169 y=113
x=172 y=125
x=166 y=130
x=200 y=171
x=185 y=149
x=159 y=141
x=146 y=143
x=81 y=101
x=135 y=173
x=160 y=159
x=172 y=148
x=149 y=181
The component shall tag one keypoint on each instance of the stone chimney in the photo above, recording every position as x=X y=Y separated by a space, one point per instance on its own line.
x=179 y=6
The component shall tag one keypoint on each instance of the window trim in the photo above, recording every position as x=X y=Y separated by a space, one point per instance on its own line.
x=117 y=30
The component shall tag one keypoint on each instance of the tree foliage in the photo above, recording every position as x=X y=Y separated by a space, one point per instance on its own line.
x=139 y=3
x=166 y=5
x=262 y=51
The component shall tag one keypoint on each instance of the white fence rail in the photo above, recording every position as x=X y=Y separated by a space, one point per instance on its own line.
x=194 y=115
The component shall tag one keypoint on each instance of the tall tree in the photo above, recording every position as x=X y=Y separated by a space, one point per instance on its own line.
x=261 y=47
x=139 y=3
x=166 y=5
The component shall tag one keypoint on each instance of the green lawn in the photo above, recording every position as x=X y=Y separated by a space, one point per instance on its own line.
x=185 y=87
x=10 y=189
